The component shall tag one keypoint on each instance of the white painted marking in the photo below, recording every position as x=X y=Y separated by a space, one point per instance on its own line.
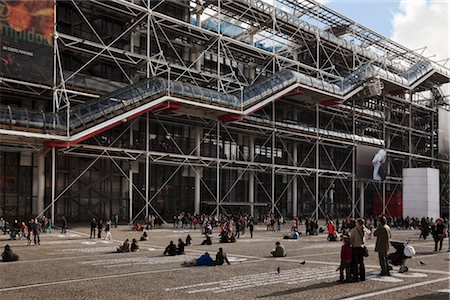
x=68 y=235
x=88 y=243
x=389 y=279
x=409 y=275
x=236 y=259
x=444 y=291
x=14 y=288
x=400 y=288
x=89 y=250
x=291 y=276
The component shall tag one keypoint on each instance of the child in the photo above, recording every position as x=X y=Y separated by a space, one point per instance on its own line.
x=346 y=260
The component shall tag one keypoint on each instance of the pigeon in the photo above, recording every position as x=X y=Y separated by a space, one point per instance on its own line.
x=278 y=270
x=303 y=262
x=421 y=262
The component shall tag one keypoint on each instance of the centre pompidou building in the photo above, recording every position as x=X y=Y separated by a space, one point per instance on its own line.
x=137 y=107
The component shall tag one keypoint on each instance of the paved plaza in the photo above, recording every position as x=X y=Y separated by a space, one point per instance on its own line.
x=72 y=266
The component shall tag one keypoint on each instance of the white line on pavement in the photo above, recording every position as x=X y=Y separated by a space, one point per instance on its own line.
x=400 y=288
x=86 y=279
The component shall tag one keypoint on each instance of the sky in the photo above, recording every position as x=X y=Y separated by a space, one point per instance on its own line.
x=412 y=23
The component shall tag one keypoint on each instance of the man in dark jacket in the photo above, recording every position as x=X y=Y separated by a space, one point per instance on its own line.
x=36 y=231
x=100 y=228
x=93 y=226
x=63 y=224
x=383 y=234
x=171 y=249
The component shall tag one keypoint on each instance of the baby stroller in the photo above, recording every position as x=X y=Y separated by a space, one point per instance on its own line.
x=403 y=251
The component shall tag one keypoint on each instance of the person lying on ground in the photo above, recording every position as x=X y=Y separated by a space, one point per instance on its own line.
x=204 y=260
x=293 y=235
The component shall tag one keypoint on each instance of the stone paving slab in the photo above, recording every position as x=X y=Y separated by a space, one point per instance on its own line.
x=72 y=266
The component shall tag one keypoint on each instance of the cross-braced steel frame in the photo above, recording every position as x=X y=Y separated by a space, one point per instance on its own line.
x=292 y=156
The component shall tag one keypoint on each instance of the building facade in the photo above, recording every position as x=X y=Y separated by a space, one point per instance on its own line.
x=162 y=107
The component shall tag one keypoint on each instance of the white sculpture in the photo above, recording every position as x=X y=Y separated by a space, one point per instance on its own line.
x=378 y=159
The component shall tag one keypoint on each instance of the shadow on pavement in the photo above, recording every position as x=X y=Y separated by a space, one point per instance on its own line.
x=301 y=289
x=438 y=296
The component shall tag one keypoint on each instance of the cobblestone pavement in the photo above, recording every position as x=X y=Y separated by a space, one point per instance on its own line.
x=72 y=266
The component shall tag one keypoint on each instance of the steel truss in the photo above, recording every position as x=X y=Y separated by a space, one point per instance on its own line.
x=315 y=163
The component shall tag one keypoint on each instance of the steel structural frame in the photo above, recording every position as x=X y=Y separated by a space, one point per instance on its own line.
x=149 y=21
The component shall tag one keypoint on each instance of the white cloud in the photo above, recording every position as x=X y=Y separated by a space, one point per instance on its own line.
x=324 y=2
x=422 y=23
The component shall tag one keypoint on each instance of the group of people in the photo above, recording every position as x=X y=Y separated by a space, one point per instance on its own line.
x=207 y=260
x=128 y=246
x=30 y=230
x=173 y=250
x=99 y=225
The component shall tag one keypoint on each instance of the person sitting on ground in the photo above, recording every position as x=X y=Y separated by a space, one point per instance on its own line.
x=233 y=238
x=279 y=250
x=207 y=240
x=134 y=246
x=346 y=260
x=171 y=249
x=221 y=258
x=138 y=227
x=188 y=240
x=293 y=235
x=181 y=246
x=144 y=236
x=224 y=237
x=9 y=255
x=332 y=236
x=125 y=247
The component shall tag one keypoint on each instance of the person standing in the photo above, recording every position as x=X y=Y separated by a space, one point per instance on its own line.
x=36 y=232
x=108 y=231
x=251 y=227
x=383 y=234
x=439 y=232
x=93 y=226
x=100 y=228
x=357 y=242
x=64 y=225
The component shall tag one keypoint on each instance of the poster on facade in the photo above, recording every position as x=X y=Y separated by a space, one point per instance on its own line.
x=26 y=40
x=444 y=132
x=370 y=162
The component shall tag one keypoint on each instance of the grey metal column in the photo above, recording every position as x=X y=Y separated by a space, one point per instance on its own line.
x=53 y=185
x=130 y=181
x=361 y=199
x=38 y=202
x=147 y=162
x=218 y=171
x=251 y=175
x=294 y=182
x=197 y=188
x=316 y=196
